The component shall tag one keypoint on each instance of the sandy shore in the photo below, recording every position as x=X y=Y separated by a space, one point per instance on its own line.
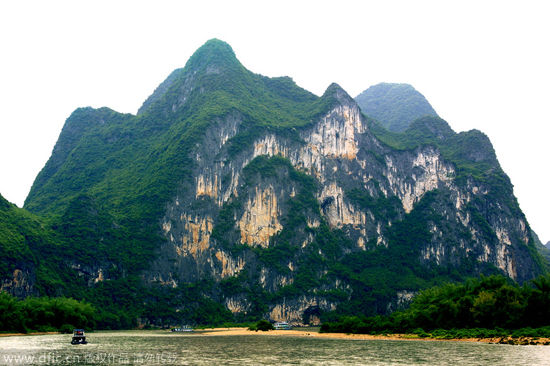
x=401 y=337
x=314 y=333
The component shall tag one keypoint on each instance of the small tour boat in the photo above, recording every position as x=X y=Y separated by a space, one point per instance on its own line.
x=79 y=337
x=185 y=328
x=282 y=326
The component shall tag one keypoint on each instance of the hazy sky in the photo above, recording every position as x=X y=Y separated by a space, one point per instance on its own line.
x=481 y=64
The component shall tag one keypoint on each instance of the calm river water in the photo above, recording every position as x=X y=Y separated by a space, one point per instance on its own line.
x=164 y=348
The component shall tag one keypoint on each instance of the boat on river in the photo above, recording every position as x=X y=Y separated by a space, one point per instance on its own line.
x=282 y=326
x=79 y=337
x=185 y=328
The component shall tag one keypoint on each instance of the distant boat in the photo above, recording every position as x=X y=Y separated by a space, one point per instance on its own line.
x=78 y=337
x=282 y=326
x=185 y=328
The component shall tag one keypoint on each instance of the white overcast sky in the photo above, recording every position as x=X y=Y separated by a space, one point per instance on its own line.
x=481 y=64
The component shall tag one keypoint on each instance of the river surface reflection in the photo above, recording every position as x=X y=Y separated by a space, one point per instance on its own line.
x=165 y=348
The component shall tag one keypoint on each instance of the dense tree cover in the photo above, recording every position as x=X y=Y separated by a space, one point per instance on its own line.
x=395 y=106
x=544 y=250
x=44 y=314
x=493 y=302
x=133 y=163
x=21 y=234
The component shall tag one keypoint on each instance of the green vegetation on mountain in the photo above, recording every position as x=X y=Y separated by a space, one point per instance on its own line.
x=132 y=165
x=395 y=106
x=22 y=236
x=543 y=250
x=492 y=302
x=471 y=151
x=14 y=246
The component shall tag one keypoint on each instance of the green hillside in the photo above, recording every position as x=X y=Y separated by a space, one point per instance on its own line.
x=131 y=165
x=395 y=106
x=22 y=235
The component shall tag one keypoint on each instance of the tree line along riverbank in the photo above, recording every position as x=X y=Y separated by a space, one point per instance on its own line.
x=44 y=314
x=485 y=307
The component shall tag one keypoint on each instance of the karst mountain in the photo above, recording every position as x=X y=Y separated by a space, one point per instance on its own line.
x=232 y=196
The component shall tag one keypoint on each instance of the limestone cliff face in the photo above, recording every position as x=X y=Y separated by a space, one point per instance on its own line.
x=20 y=284
x=343 y=157
x=260 y=220
x=302 y=310
x=428 y=173
x=336 y=134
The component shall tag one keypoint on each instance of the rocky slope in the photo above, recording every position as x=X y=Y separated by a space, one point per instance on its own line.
x=253 y=197
x=395 y=106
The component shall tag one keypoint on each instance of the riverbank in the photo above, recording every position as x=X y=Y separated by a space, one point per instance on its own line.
x=27 y=334
x=304 y=332
x=314 y=333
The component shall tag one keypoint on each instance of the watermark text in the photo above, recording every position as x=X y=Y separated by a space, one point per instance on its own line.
x=94 y=358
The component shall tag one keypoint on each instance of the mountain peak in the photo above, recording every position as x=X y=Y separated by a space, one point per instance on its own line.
x=395 y=106
x=4 y=203
x=216 y=44
x=336 y=91
x=213 y=57
x=214 y=53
